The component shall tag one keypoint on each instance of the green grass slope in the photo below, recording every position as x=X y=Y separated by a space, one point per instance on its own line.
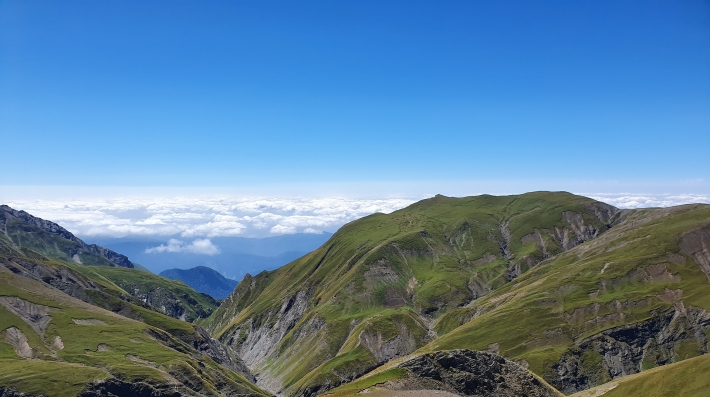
x=52 y=344
x=24 y=235
x=634 y=298
x=371 y=293
x=171 y=297
x=687 y=378
x=24 y=231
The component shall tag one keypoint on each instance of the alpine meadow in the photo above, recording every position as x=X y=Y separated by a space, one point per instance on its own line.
x=355 y=199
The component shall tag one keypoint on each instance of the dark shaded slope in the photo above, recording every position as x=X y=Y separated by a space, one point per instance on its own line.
x=203 y=279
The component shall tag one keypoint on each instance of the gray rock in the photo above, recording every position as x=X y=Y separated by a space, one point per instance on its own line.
x=472 y=373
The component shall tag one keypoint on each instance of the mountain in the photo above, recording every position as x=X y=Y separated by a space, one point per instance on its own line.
x=536 y=294
x=67 y=330
x=47 y=238
x=634 y=298
x=203 y=279
x=237 y=256
x=374 y=291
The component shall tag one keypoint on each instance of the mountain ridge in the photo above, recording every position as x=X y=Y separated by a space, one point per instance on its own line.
x=371 y=292
x=203 y=279
x=75 y=251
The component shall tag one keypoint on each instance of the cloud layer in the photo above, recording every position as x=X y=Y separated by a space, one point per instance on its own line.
x=199 y=246
x=201 y=218
x=206 y=217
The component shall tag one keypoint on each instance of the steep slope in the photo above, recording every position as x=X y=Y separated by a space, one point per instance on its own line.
x=52 y=344
x=371 y=293
x=23 y=230
x=635 y=298
x=25 y=235
x=170 y=297
x=687 y=378
x=203 y=279
x=459 y=372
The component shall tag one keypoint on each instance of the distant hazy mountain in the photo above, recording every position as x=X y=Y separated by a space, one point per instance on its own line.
x=237 y=255
x=203 y=279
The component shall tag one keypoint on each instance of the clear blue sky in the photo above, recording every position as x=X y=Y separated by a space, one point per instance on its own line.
x=234 y=93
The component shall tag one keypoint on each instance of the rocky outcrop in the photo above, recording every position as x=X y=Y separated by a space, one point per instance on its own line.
x=12 y=392
x=470 y=373
x=36 y=316
x=696 y=245
x=670 y=336
x=221 y=353
x=256 y=339
x=203 y=343
x=18 y=341
x=75 y=285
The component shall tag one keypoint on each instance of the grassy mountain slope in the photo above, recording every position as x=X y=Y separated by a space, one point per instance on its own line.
x=93 y=286
x=25 y=231
x=629 y=300
x=371 y=293
x=635 y=298
x=171 y=297
x=56 y=345
x=687 y=378
x=23 y=234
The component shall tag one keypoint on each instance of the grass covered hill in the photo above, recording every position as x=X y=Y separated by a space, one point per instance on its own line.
x=376 y=289
x=24 y=231
x=634 y=299
x=26 y=235
x=67 y=329
x=55 y=345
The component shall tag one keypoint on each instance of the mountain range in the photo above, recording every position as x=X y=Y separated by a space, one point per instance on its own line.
x=235 y=256
x=203 y=279
x=539 y=294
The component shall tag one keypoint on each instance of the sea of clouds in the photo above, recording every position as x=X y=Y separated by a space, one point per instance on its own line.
x=204 y=218
x=201 y=218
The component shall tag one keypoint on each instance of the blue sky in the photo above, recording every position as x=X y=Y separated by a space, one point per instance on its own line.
x=397 y=96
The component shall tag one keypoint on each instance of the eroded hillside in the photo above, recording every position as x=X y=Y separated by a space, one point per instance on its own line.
x=373 y=292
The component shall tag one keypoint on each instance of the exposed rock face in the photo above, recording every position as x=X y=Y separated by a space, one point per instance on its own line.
x=471 y=373
x=220 y=353
x=18 y=340
x=258 y=338
x=36 y=316
x=697 y=245
x=670 y=336
x=59 y=277
x=12 y=392
x=385 y=350
x=114 y=387
x=74 y=285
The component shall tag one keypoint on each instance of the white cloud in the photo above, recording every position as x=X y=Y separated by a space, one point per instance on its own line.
x=199 y=246
x=627 y=200
x=310 y=230
x=208 y=217
x=283 y=229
